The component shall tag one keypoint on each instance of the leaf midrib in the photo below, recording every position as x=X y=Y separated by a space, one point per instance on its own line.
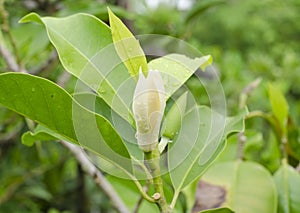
x=87 y=61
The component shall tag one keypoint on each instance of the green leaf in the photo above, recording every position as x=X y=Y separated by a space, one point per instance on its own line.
x=293 y=136
x=279 y=106
x=218 y=210
x=177 y=69
x=199 y=143
x=29 y=138
x=85 y=49
x=51 y=106
x=172 y=122
x=127 y=47
x=248 y=186
x=287 y=181
x=189 y=193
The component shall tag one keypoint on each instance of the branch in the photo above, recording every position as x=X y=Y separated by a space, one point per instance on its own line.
x=52 y=58
x=98 y=177
x=298 y=168
x=6 y=28
x=9 y=59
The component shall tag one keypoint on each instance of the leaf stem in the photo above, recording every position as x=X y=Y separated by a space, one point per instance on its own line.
x=152 y=158
x=174 y=200
x=143 y=193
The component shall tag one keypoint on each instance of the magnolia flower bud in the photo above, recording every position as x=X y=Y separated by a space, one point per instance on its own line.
x=148 y=108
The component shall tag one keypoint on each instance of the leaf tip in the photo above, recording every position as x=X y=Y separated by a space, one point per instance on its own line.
x=208 y=61
x=31 y=17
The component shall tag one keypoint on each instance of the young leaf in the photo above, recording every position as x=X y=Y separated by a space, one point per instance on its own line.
x=51 y=106
x=279 y=106
x=199 y=143
x=29 y=138
x=287 y=181
x=248 y=186
x=85 y=49
x=177 y=69
x=127 y=47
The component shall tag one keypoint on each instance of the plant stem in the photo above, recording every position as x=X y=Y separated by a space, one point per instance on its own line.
x=152 y=158
x=6 y=28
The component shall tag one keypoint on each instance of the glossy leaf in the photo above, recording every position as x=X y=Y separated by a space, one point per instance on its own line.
x=85 y=49
x=199 y=143
x=51 y=106
x=287 y=180
x=177 y=69
x=127 y=47
x=248 y=186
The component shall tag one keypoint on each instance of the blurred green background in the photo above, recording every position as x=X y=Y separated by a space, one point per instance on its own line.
x=248 y=39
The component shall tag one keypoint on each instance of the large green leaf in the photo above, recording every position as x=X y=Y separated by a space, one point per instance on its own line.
x=199 y=143
x=287 y=181
x=248 y=186
x=85 y=49
x=177 y=69
x=51 y=106
x=127 y=47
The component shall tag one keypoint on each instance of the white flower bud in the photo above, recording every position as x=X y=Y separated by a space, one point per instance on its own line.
x=149 y=103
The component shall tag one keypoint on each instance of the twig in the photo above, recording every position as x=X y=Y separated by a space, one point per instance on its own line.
x=243 y=103
x=6 y=28
x=9 y=59
x=52 y=58
x=241 y=144
x=99 y=178
x=140 y=201
x=247 y=91
x=63 y=79
x=298 y=168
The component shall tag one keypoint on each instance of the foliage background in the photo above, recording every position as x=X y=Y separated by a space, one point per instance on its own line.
x=247 y=39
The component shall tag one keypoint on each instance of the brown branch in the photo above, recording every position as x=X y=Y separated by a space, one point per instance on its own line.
x=298 y=168
x=10 y=60
x=51 y=59
x=99 y=178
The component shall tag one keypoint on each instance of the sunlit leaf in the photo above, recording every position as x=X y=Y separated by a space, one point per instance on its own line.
x=127 y=47
x=85 y=49
x=177 y=69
